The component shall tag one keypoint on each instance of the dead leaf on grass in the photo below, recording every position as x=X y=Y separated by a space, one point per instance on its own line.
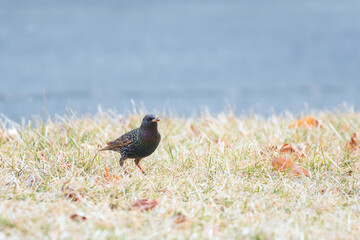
x=71 y=194
x=144 y=204
x=300 y=171
x=283 y=165
x=297 y=149
x=108 y=177
x=77 y=217
x=353 y=143
x=194 y=131
x=306 y=122
x=179 y=218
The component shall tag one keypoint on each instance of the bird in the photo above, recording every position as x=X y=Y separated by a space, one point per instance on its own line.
x=138 y=143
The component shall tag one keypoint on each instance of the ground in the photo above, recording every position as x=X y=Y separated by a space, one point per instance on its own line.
x=211 y=177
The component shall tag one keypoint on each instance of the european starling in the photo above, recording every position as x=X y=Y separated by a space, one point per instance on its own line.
x=137 y=143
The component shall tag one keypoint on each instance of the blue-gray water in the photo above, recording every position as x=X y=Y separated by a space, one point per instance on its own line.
x=178 y=55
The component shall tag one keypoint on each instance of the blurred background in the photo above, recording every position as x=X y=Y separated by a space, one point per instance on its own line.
x=182 y=56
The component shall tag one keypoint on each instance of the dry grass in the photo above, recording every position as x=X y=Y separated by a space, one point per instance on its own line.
x=212 y=177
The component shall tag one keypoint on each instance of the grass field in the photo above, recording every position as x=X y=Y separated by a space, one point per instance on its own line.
x=212 y=178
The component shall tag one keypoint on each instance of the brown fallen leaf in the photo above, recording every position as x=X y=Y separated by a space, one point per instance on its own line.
x=144 y=204
x=306 y=122
x=71 y=194
x=300 y=171
x=283 y=165
x=77 y=217
x=352 y=144
x=179 y=218
x=293 y=149
x=108 y=177
x=194 y=131
x=287 y=148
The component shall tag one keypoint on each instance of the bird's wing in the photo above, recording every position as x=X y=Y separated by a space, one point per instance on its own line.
x=125 y=140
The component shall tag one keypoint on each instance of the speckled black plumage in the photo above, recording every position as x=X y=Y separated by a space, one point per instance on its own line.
x=137 y=143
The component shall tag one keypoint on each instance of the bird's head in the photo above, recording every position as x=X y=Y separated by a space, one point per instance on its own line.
x=150 y=120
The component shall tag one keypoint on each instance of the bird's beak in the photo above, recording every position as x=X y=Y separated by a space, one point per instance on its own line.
x=156 y=119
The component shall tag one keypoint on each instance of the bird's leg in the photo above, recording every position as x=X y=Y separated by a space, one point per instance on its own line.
x=121 y=161
x=140 y=168
x=137 y=161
